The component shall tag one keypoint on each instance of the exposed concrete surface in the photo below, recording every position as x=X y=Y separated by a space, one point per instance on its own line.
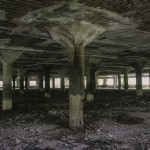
x=7 y=104
x=121 y=122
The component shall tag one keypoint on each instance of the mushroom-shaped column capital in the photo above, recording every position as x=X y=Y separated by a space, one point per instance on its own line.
x=77 y=33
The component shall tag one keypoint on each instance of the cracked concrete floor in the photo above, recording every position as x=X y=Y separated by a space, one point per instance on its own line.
x=115 y=121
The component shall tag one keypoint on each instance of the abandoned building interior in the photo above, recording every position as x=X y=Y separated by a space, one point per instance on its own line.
x=75 y=74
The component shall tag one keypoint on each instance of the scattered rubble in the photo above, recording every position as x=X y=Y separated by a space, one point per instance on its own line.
x=111 y=123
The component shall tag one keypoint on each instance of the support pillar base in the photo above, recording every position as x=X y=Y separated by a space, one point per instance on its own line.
x=21 y=92
x=47 y=95
x=7 y=104
x=90 y=97
x=76 y=111
x=139 y=93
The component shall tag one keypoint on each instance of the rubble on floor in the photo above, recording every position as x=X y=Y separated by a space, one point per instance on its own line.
x=112 y=122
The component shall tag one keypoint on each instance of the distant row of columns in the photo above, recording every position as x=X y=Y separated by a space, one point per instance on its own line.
x=25 y=83
x=138 y=81
x=76 y=83
x=90 y=79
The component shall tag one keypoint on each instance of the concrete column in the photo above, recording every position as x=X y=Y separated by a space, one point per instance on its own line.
x=22 y=84
x=89 y=82
x=47 y=84
x=75 y=36
x=126 y=81
x=22 y=72
x=40 y=76
x=17 y=81
x=7 y=87
x=139 y=91
x=105 y=81
x=119 y=81
x=14 y=80
x=95 y=82
x=76 y=86
x=115 y=81
x=26 y=82
x=149 y=80
x=62 y=83
x=94 y=79
x=53 y=82
x=7 y=58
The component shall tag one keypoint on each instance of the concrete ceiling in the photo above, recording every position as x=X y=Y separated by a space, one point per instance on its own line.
x=116 y=49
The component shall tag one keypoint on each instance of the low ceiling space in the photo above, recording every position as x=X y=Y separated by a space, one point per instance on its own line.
x=117 y=49
x=74 y=74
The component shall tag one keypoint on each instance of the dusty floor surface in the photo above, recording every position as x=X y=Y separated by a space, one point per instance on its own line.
x=115 y=121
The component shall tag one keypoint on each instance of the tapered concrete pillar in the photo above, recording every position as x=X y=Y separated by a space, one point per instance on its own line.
x=7 y=58
x=76 y=86
x=89 y=82
x=75 y=36
x=40 y=78
x=126 y=81
x=119 y=81
x=74 y=32
x=139 y=91
x=14 y=81
x=47 y=84
x=7 y=87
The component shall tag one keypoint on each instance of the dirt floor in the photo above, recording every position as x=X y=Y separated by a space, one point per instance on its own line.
x=115 y=121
